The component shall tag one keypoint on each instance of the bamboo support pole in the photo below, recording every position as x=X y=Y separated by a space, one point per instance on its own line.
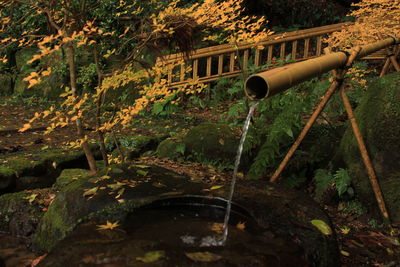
x=183 y=72
x=335 y=85
x=170 y=76
x=390 y=60
x=282 y=50
x=245 y=59
x=232 y=62
x=220 y=64
x=270 y=53
x=306 y=47
x=195 y=68
x=294 y=50
x=257 y=57
x=209 y=61
x=394 y=62
x=305 y=130
x=365 y=156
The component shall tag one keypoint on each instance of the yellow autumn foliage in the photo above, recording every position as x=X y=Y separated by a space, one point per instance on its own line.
x=375 y=20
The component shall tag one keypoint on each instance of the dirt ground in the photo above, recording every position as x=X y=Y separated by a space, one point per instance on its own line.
x=361 y=244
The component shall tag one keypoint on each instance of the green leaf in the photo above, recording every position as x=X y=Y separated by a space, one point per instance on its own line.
x=151 y=256
x=289 y=132
x=342 y=181
x=91 y=191
x=116 y=186
x=322 y=226
x=31 y=198
x=142 y=172
x=180 y=148
x=344 y=253
x=203 y=256
x=215 y=187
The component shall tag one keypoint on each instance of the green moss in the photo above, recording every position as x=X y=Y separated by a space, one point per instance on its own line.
x=5 y=85
x=6 y=172
x=52 y=227
x=171 y=148
x=23 y=166
x=212 y=142
x=67 y=176
x=17 y=216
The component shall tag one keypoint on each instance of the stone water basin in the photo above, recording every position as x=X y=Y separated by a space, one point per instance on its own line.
x=179 y=224
x=174 y=229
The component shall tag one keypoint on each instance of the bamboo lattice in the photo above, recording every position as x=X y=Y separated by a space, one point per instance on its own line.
x=214 y=62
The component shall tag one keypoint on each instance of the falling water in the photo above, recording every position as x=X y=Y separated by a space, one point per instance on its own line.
x=235 y=170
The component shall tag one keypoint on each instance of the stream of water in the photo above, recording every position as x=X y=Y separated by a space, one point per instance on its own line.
x=235 y=171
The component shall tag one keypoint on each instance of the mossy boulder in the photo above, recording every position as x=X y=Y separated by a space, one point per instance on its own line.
x=22 y=170
x=133 y=185
x=134 y=146
x=212 y=142
x=6 y=85
x=22 y=56
x=282 y=217
x=378 y=116
x=50 y=87
x=172 y=148
x=68 y=176
x=17 y=215
x=7 y=178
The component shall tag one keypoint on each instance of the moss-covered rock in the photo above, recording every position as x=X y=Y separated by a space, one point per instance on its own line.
x=141 y=184
x=172 y=148
x=22 y=170
x=6 y=85
x=17 y=215
x=68 y=176
x=378 y=116
x=134 y=146
x=274 y=214
x=212 y=142
x=7 y=178
x=22 y=56
x=50 y=87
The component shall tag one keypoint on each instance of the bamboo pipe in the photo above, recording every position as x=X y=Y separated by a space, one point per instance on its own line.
x=269 y=83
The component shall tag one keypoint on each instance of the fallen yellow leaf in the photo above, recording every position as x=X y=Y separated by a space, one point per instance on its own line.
x=217 y=227
x=151 y=256
x=345 y=230
x=31 y=198
x=322 y=227
x=90 y=191
x=108 y=226
x=241 y=225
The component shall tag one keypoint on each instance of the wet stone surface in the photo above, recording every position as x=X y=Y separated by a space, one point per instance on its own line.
x=175 y=234
x=172 y=218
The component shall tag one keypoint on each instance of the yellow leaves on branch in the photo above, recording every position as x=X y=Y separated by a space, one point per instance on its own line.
x=375 y=19
x=224 y=15
x=3 y=59
x=26 y=127
x=36 y=77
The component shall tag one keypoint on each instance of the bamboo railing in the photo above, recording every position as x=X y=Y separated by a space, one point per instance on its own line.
x=221 y=61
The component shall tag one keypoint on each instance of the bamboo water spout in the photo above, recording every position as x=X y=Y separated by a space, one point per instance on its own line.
x=269 y=83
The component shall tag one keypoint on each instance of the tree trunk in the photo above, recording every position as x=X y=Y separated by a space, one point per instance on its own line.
x=70 y=54
x=98 y=107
